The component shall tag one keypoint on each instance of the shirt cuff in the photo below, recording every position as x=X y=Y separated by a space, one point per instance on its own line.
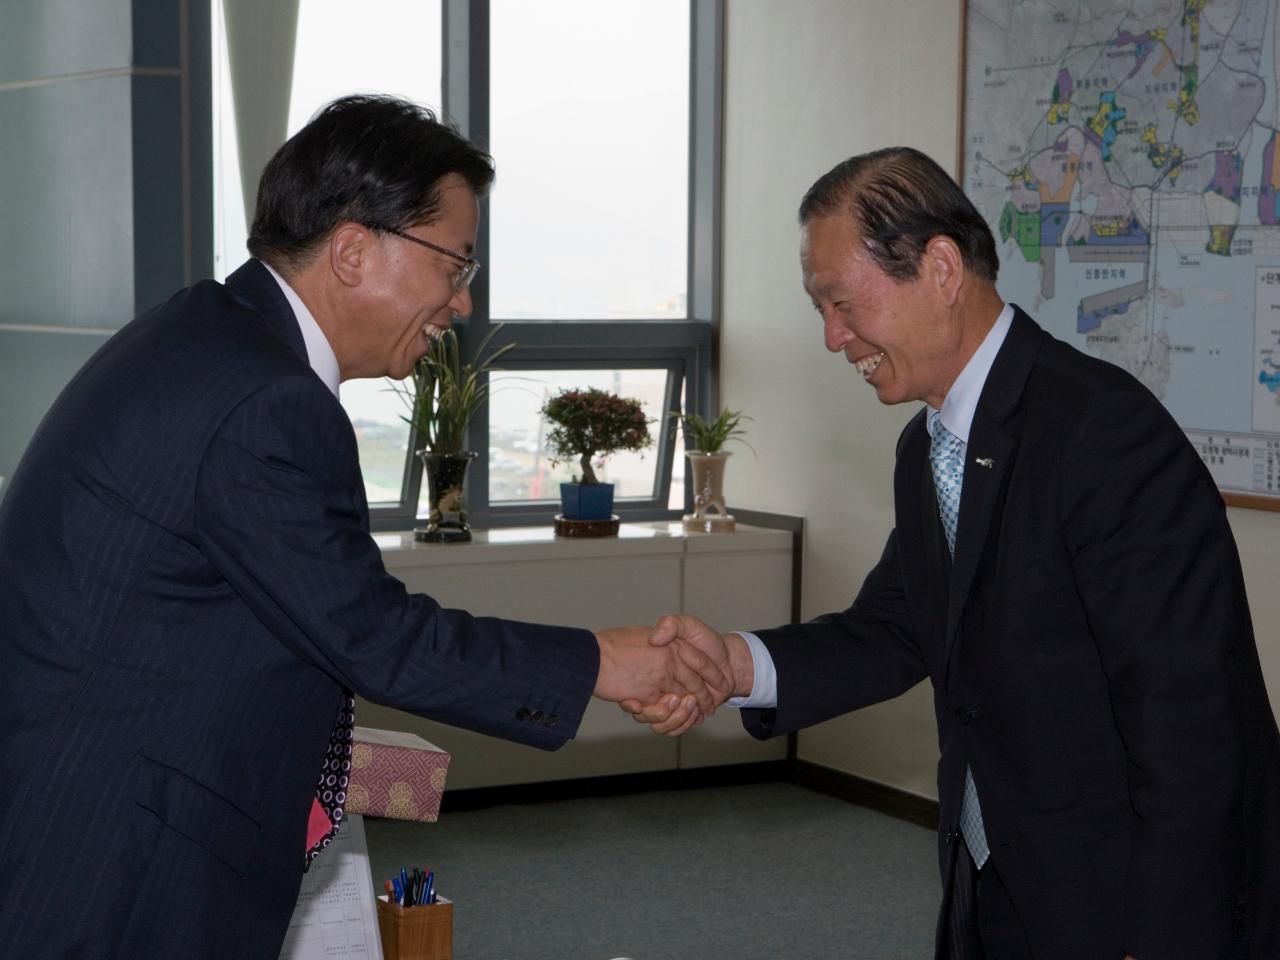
x=764 y=691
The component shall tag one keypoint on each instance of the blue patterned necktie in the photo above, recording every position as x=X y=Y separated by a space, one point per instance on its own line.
x=946 y=456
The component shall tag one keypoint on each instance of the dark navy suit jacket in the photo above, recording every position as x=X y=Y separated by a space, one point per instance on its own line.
x=187 y=585
x=1092 y=660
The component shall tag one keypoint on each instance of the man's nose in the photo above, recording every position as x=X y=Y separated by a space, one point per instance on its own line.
x=461 y=303
x=837 y=335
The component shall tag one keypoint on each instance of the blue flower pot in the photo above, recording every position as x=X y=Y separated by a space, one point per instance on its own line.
x=586 y=501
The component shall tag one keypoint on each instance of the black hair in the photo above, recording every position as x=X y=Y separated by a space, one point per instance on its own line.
x=374 y=160
x=900 y=199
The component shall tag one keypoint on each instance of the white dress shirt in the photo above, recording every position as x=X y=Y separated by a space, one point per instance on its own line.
x=956 y=412
x=319 y=353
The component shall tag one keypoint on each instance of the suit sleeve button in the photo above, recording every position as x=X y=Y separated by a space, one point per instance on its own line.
x=536 y=716
x=550 y=721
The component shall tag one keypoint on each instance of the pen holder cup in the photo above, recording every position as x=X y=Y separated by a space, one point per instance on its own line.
x=416 y=933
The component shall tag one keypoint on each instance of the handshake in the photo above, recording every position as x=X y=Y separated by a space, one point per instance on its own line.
x=673 y=674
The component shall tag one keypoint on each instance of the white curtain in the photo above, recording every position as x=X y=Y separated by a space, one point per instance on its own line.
x=261 y=35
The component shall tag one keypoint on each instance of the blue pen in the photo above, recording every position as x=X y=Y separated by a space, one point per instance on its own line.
x=404 y=882
x=428 y=887
x=399 y=888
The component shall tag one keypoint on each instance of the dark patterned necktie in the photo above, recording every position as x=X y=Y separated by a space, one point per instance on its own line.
x=331 y=790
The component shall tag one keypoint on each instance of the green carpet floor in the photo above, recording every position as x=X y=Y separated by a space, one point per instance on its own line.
x=761 y=871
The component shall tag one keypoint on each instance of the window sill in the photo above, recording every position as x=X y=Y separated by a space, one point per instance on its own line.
x=506 y=544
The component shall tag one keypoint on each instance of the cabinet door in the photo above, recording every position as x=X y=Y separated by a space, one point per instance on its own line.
x=741 y=591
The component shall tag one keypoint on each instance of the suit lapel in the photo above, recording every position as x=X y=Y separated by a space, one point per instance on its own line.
x=988 y=457
x=937 y=559
x=986 y=461
x=916 y=518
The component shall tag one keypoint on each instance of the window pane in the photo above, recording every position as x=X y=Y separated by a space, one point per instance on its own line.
x=381 y=436
x=519 y=463
x=589 y=117
x=392 y=46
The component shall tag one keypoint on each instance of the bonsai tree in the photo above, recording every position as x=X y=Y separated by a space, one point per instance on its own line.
x=709 y=437
x=592 y=423
x=445 y=392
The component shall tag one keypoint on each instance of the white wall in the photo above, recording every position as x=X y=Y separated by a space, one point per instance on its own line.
x=807 y=85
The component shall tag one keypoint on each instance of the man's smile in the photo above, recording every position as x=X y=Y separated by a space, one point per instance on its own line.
x=867 y=365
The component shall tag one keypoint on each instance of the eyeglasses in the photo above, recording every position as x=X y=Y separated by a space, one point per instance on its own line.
x=470 y=266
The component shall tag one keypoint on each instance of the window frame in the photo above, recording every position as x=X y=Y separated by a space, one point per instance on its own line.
x=662 y=350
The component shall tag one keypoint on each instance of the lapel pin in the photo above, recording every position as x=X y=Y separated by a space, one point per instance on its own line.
x=984 y=462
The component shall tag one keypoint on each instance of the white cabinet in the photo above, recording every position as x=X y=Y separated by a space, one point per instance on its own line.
x=737 y=580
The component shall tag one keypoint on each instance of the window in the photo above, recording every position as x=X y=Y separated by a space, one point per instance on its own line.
x=597 y=226
x=599 y=238
x=520 y=466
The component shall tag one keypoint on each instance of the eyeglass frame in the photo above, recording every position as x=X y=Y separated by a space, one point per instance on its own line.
x=470 y=265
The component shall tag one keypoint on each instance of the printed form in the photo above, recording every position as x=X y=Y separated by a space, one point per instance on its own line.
x=335 y=913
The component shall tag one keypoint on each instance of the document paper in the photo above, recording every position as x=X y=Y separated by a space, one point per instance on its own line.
x=335 y=912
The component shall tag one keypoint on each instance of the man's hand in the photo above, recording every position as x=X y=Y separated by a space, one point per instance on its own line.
x=694 y=641
x=633 y=669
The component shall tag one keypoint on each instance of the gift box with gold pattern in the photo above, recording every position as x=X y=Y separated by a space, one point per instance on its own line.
x=397 y=775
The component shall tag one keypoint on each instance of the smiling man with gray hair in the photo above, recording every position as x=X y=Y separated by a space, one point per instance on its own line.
x=1062 y=570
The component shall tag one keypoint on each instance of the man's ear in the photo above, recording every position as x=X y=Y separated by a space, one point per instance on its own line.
x=945 y=267
x=350 y=247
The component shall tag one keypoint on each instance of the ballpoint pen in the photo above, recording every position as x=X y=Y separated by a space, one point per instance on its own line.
x=399 y=890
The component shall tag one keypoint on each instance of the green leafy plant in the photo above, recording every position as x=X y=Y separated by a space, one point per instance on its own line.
x=709 y=437
x=592 y=423
x=443 y=392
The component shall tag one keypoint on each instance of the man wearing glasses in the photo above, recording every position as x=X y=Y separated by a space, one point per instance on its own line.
x=188 y=591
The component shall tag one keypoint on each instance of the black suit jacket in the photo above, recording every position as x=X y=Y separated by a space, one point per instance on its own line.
x=187 y=585
x=1092 y=660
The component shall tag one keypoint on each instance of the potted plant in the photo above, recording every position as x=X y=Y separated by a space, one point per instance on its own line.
x=587 y=425
x=442 y=396
x=703 y=441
